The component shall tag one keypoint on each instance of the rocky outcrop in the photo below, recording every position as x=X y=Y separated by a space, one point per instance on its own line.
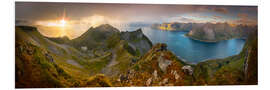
x=137 y=41
x=175 y=74
x=187 y=69
x=163 y=63
x=210 y=32
x=158 y=66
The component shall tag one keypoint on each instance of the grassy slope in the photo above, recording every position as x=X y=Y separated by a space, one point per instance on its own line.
x=146 y=65
x=213 y=72
x=91 y=66
x=34 y=70
x=230 y=70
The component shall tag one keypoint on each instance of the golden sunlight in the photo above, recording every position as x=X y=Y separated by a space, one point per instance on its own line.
x=63 y=22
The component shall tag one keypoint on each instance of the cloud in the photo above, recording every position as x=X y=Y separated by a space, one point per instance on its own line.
x=242 y=15
x=220 y=10
x=217 y=17
x=244 y=19
x=186 y=20
x=217 y=9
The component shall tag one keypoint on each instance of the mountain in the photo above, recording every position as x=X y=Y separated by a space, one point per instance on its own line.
x=60 y=40
x=95 y=37
x=210 y=32
x=136 y=39
x=103 y=57
x=106 y=37
x=158 y=67
x=121 y=47
x=238 y=69
x=175 y=26
x=42 y=63
x=80 y=66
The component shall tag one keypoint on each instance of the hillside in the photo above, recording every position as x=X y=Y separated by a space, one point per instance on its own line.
x=120 y=59
x=221 y=31
x=121 y=48
x=83 y=67
x=158 y=67
x=208 y=32
x=136 y=40
x=238 y=69
x=95 y=37
x=37 y=66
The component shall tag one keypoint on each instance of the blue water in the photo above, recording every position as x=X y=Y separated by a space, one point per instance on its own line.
x=189 y=50
x=194 y=51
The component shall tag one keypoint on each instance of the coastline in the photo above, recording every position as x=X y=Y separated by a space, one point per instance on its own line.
x=212 y=41
x=204 y=60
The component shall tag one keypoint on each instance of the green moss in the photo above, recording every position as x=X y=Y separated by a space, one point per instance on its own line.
x=130 y=50
x=97 y=65
x=98 y=80
x=113 y=40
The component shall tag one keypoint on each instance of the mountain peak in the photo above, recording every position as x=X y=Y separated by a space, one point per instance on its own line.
x=105 y=26
x=139 y=30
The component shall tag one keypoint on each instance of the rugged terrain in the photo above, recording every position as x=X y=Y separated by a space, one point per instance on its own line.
x=209 y=32
x=103 y=57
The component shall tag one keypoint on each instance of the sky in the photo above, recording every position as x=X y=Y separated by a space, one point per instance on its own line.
x=81 y=16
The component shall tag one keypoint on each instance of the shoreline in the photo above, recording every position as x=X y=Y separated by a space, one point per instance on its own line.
x=204 y=60
x=208 y=41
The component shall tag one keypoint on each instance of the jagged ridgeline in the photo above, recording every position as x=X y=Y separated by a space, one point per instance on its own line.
x=209 y=32
x=103 y=56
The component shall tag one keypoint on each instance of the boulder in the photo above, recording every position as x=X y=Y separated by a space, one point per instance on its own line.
x=187 y=69
x=149 y=82
x=155 y=75
x=176 y=75
x=163 y=63
x=84 y=48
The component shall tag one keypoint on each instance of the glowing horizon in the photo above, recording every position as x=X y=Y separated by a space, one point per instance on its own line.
x=73 y=19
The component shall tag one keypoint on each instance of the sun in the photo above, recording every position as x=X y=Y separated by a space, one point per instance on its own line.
x=63 y=22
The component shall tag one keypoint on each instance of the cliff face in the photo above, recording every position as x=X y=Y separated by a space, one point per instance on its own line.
x=208 y=32
x=137 y=41
x=221 y=31
x=251 y=59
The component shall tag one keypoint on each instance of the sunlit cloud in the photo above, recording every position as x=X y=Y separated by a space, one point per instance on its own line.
x=80 y=17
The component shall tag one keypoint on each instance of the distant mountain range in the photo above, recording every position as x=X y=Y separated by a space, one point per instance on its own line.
x=175 y=26
x=209 y=32
x=103 y=57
